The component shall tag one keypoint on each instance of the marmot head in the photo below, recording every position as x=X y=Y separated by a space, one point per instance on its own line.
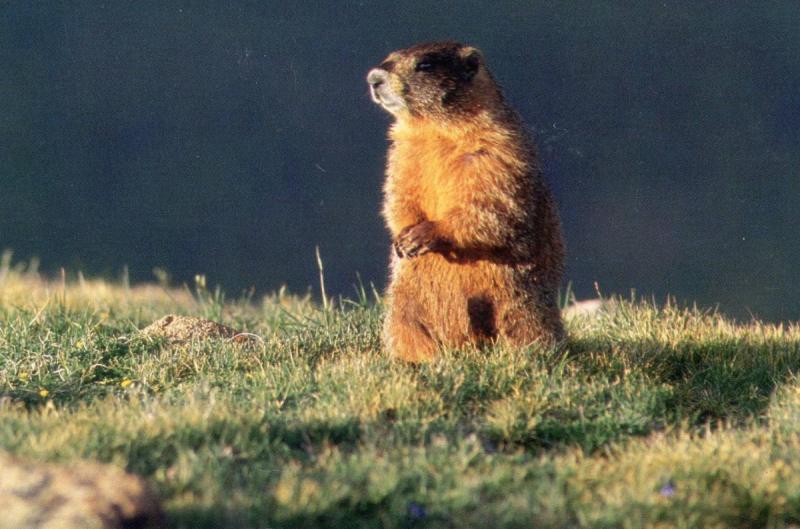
x=438 y=80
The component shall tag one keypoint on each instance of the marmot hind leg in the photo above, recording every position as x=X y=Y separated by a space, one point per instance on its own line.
x=523 y=326
x=406 y=337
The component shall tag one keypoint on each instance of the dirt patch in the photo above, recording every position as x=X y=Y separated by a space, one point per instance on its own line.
x=182 y=329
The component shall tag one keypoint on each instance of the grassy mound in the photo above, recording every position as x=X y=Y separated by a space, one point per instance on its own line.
x=651 y=416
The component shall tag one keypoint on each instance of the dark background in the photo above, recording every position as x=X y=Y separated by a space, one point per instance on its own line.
x=231 y=138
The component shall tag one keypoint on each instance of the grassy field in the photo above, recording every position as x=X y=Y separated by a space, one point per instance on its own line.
x=652 y=416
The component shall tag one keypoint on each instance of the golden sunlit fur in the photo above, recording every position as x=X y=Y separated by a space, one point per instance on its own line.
x=478 y=250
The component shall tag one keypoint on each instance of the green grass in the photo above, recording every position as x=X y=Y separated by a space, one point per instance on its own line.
x=651 y=416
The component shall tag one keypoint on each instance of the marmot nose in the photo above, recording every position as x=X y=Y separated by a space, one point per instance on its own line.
x=377 y=77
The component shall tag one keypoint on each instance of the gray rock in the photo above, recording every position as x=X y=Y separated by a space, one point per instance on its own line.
x=76 y=496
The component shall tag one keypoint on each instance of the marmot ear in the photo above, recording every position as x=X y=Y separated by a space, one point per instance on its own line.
x=471 y=62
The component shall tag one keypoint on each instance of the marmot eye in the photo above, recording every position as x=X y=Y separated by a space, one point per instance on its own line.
x=424 y=66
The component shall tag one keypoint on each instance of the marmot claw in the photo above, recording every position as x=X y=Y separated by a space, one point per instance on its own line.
x=415 y=240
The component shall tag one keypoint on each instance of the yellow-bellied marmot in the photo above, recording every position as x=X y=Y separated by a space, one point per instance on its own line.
x=478 y=254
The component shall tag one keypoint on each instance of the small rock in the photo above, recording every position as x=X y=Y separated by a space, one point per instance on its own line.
x=587 y=308
x=78 y=496
x=181 y=329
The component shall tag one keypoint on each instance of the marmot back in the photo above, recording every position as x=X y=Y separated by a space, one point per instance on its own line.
x=478 y=253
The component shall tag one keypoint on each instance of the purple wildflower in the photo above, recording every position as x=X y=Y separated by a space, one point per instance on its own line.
x=668 y=489
x=416 y=511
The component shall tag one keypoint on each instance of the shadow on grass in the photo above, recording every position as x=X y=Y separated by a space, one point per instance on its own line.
x=215 y=517
x=610 y=389
x=724 y=379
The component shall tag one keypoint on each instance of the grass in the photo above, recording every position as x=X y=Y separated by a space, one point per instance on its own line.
x=653 y=416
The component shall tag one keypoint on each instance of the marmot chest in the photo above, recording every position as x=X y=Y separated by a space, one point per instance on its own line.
x=434 y=173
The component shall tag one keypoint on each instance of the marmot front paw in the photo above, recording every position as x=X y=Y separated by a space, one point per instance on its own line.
x=416 y=240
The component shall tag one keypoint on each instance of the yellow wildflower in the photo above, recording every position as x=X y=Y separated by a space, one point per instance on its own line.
x=43 y=393
x=125 y=383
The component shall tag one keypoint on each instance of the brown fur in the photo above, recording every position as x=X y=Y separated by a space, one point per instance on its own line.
x=478 y=249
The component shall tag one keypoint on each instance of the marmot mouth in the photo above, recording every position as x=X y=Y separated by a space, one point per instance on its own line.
x=381 y=92
x=375 y=95
x=386 y=98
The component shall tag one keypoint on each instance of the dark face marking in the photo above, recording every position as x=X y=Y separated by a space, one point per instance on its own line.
x=449 y=66
x=435 y=61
